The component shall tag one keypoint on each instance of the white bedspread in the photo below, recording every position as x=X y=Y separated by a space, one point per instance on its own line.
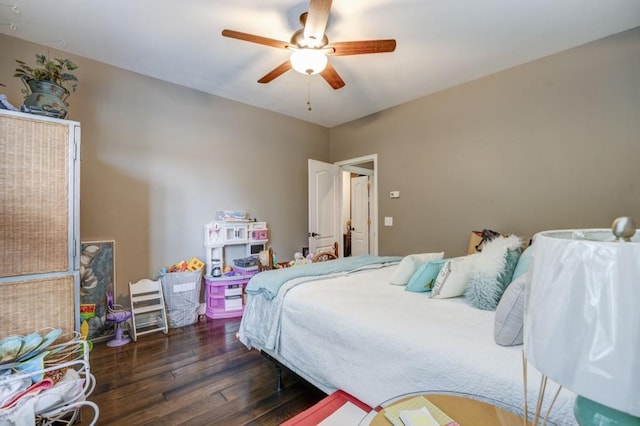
x=376 y=341
x=262 y=318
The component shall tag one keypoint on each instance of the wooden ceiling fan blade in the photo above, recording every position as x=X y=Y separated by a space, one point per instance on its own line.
x=316 y=21
x=255 y=39
x=276 y=72
x=332 y=77
x=344 y=48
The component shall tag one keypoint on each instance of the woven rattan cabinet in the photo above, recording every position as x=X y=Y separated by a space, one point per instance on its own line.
x=39 y=223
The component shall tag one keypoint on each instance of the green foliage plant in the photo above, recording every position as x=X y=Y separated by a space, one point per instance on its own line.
x=53 y=70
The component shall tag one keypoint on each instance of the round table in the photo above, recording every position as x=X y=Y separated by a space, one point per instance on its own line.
x=465 y=410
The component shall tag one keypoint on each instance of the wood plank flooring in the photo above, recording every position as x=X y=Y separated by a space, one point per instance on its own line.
x=196 y=375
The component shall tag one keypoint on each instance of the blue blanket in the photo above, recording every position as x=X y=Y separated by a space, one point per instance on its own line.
x=268 y=283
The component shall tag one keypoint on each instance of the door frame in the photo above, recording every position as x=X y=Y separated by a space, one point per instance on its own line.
x=346 y=165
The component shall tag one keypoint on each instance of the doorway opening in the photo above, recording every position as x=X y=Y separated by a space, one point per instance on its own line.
x=359 y=205
x=344 y=194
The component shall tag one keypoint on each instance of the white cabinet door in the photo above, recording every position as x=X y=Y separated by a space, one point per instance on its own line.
x=39 y=223
x=236 y=234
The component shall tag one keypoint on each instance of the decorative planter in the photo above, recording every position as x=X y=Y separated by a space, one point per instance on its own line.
x=46 y=98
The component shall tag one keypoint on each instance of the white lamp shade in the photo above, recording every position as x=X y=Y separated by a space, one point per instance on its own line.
x=582 y=315
x=308 y=61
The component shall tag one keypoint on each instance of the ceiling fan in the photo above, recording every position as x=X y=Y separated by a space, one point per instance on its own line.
x=310 y=46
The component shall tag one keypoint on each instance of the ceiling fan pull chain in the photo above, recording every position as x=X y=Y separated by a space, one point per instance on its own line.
x=309 y=92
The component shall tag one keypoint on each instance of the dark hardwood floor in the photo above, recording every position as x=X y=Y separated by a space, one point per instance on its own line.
x=196 y=375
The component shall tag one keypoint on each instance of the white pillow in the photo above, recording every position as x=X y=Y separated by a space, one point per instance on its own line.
x=453 y=277
x=410 y=264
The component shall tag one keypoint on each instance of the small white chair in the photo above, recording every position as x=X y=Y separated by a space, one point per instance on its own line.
x=147 y=308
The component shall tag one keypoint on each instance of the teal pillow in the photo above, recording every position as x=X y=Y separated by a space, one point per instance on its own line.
x=523 y=263
x=511 y=261
x=424 y=278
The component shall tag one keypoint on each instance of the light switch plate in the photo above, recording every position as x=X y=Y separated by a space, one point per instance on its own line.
x=388 y=221
x=394 y=194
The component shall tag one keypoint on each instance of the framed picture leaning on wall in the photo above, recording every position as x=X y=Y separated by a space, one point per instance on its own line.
x=97 y=276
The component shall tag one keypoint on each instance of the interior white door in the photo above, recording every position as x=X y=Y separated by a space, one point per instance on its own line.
x=324 y=211
x=359 y=215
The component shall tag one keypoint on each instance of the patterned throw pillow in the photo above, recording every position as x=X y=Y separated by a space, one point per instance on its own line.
x=452 y=278
x=492 y=272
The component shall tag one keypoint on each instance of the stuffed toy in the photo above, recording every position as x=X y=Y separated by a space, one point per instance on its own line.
x=299 y=259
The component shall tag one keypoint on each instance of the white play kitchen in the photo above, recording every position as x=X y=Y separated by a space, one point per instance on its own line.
x=232 y=243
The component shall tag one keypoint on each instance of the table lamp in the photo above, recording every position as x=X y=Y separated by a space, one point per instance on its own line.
x=582 y=319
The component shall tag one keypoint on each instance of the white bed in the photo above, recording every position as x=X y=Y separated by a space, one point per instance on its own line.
x=376 y=341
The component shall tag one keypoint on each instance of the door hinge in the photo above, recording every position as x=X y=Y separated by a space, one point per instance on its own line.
x=368 y=221
x=369 y=185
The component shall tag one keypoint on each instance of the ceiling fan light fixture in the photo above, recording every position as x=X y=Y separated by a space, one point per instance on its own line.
x=309 y=61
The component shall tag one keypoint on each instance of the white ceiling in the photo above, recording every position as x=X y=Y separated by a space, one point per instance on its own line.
x=440 y=43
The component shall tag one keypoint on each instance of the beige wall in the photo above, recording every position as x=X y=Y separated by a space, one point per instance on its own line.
x=550 y=144
x=554 y=143
x=158 y=160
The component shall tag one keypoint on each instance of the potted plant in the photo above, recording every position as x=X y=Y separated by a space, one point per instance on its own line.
x=47 y=85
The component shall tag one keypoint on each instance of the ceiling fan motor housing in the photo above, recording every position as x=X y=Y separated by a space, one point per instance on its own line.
x=298 y=39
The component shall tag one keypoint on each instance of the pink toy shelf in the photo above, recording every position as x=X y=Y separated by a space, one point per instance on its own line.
x=225 y=294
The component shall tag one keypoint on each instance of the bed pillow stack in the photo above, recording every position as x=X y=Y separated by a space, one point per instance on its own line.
x=410 y=264
x=492 y=272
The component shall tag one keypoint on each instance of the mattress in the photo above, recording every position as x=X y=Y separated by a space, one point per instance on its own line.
x=376 y=341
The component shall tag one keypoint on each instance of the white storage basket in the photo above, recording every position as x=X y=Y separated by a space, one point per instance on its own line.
x=182 y=297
